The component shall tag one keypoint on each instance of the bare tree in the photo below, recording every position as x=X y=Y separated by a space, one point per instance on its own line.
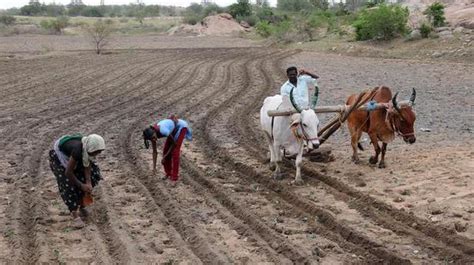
x=100 y=32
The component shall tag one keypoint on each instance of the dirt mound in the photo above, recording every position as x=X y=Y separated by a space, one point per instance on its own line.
x=461 y=15
x=217 y=25
x=457 y=12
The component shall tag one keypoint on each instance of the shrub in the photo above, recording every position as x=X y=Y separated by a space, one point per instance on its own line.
x=264 y=29
x=425 y=30
x=191 y=19
x=55 y=25
x=294 y=5
x=252 y=20
x=321 y=19
x=193 y=14
x=264 y=13
x=99 y=33
x=7 y=20
x=435 y=14
x=384 y=22
x=286 y=31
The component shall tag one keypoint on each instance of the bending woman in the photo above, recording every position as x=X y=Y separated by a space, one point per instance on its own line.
x=175 y=130
x=72 y=162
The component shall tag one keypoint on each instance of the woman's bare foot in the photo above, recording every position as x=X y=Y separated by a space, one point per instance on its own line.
x=173 y=184
x=83 y=212
x=78 y=223
x=76 y=220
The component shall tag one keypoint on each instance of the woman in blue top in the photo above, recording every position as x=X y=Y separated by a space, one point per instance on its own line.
x=175 y=130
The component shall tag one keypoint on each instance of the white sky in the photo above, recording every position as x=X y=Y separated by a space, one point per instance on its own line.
x=4 y=4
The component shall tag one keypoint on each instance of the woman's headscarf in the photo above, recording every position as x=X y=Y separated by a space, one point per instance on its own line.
x=91 y=144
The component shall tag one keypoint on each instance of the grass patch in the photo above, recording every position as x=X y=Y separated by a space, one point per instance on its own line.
x=126 y=26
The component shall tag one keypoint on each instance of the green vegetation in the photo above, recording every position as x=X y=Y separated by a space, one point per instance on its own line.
x=100 y=32
x=425 y=30
x=196 y=12
x=56 y=25
x=435 y=14
x=7 y=20
x=291 y=21
x=382 y=22
x=56 y=10
x=240 y=9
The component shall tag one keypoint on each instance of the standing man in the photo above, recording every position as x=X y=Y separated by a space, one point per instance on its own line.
x=300 y=83
x=175 y=130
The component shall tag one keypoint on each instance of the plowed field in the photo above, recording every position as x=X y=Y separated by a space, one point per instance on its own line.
x=226 y=208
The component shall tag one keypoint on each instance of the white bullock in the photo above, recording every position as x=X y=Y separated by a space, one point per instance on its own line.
x=290 y=133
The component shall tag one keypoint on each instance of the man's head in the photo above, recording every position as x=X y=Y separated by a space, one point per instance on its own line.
x=292 y=74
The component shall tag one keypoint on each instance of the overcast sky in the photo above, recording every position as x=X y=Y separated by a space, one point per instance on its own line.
x=4 y=4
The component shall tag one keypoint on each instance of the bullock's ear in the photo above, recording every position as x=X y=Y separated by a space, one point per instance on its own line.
x=398 y=114
x=295 y=123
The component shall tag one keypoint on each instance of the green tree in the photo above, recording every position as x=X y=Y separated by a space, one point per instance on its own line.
x=92 y=11
x=54 y=10
x=75 y=10
x=262 y=3
x=193 y=14
x=242 y=8
x=265 y=13
x=320 y=4
x=293 y=5
x=195 y=9
x=33 y=9
x=435 y=14
x=152 y=11
x=384 y=22
x=211 y=9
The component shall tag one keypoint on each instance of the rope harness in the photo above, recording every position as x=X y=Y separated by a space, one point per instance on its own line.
x=303 y=136
x=392 y=125
x=389 y=119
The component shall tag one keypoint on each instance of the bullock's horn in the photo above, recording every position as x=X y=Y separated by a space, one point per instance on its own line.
x=413 y=96
x=395 y=103
x=292 y=100
x=314 y=99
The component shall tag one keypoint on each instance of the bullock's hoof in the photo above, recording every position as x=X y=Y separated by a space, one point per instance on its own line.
x=356 y=160
x=382 y=165
x=272 y=167
x=297 y=182
x=373 y=160
x=277 y=176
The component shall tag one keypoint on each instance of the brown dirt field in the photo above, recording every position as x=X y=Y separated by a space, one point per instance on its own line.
x=226 y=208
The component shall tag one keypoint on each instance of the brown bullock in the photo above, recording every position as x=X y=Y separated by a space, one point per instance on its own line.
x=382 y=124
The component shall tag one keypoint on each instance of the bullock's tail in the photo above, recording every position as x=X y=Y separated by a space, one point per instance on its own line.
x=360 y=146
